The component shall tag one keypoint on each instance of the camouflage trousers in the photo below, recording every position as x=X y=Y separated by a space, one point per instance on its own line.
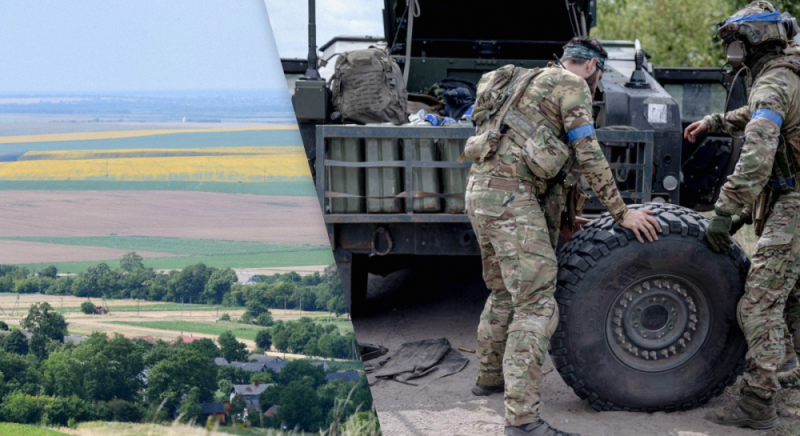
x=763 y=311
x=519 y=267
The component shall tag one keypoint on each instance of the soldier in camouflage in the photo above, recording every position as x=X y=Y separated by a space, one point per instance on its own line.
x=758 y=35
x=545 y=128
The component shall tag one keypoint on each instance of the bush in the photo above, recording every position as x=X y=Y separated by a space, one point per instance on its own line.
x=225 y=317
x=88 y=308
x=265 y=319
x=3 y=326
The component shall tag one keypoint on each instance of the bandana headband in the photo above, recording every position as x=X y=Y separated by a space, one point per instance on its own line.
x=583 y=52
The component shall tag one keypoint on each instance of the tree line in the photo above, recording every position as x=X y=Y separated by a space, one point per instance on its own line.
x=194 y=284
x=46 y=381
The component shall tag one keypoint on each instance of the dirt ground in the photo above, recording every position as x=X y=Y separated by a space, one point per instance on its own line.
x=192 y=215
x=445 y=300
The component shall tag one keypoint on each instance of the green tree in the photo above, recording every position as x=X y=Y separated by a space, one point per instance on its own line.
x=44 y=320
x=88 y=308
x=96 y=370
x=337 y=305
x=299 y=405
x=301 y=371
x=265 y=319
x=218 y=284
x=187 y=285
x=51 y=272
x=130 y=262
x=676 y=33
x=6 y=284
x=3 y=326
x=280 y=340
x=231 y=349
x=191 y=409
x=183 y=370
x=264 y=339
x=16 y=343
x=207 y=347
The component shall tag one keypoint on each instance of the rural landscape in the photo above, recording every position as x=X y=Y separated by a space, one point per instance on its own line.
x=219 y=178
x=164 y=269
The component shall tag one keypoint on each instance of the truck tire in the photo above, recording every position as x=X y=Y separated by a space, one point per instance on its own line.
x=649 y=327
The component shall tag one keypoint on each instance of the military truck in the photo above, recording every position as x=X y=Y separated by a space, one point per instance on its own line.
x=643 y=327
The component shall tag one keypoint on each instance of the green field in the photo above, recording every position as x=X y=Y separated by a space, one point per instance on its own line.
x=191 y=247
x=242 y=331
x=8 y=429
x=292 y=189
x=264 y=260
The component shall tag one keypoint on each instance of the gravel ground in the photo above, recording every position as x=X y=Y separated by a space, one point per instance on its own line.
x=444 y=299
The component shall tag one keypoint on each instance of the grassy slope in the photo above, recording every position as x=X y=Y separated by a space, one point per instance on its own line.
x=9 y=429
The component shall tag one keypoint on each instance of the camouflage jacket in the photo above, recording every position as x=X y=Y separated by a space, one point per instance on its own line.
x=773 y=109
x=551 y=128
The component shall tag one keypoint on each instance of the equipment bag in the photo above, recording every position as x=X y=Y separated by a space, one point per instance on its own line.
x=368 y=87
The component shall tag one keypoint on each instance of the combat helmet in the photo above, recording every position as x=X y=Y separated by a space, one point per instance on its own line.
x=757 y=26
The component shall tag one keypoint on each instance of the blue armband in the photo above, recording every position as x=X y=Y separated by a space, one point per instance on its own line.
x=768 y=114
x=580 y=132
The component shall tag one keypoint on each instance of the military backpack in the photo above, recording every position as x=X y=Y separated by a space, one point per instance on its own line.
x=368 y=87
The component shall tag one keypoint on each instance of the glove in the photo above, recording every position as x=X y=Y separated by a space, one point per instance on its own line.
x=718 y=231
x=739 y=221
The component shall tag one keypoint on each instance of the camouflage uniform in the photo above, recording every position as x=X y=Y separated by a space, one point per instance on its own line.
x=519 y=261
x=776 y=262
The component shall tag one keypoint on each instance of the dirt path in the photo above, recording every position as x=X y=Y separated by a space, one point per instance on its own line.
x=446 y=301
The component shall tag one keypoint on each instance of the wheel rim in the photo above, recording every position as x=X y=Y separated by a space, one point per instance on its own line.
x=657 y=323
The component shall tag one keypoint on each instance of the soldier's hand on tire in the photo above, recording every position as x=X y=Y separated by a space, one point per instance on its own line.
x=718 y=233
x=567 y=234
x=694 y=130
x=640 y=221
x=739 y=221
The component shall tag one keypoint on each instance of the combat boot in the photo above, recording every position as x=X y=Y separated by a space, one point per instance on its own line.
x=482 y=391
x=790 y=379
x=749 y=411
x=538 y=428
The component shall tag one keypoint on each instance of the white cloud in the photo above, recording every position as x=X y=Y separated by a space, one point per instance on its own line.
x=289 y=21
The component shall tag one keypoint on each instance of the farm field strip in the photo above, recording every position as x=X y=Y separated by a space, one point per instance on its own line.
x=258 y=260
x=178 y=139
x=284 y=166
x=89 y=136
x=24 y=252
x=196 y=247
x=277 y=188
x=156 y=152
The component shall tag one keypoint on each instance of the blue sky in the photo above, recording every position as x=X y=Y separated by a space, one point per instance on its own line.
x=110 y=45
x=334 y=17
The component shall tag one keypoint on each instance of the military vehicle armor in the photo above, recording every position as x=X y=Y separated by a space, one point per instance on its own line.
x=642 y=327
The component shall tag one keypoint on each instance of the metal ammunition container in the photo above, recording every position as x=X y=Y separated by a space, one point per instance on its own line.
x=346 y=180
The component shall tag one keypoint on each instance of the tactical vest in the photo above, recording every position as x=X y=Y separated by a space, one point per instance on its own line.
x=532 y=148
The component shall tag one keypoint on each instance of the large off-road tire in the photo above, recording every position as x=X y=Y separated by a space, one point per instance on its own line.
x=649 y=327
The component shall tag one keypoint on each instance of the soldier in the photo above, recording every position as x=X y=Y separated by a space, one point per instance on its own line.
x=521 y=152
x=756 y=38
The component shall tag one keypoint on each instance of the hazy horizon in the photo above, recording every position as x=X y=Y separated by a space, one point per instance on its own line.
x=52 y=46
